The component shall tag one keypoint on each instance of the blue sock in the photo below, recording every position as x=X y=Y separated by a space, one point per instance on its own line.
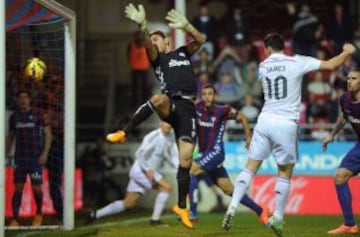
x=344 y=197
x=193 y=195
x=247 y=201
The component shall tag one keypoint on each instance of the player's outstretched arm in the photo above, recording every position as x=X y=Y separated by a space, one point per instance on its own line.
x=138 y=16
x=340 y=123
x=336 y=61
x=179 y=21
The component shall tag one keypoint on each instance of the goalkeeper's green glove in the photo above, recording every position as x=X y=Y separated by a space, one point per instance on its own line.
x=136 y=15
x=177 y=20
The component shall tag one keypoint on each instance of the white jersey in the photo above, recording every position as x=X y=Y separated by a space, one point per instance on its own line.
x=281 y=78
x=154 y=149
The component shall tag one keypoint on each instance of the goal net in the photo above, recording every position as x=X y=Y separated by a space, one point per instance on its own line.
x=42 y=29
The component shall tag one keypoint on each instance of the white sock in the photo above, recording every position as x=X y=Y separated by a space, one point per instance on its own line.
x=112 y=208
x=242 y=184
x=160 y=201
x=282 y=189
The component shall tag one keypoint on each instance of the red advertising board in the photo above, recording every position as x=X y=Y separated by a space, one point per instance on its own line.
x=308 y=195
x=28 y=207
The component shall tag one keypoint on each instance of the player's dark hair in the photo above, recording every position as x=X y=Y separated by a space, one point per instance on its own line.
x=206 y=86
x=158 y=32
x=275 y=41
x=23 y=92
x=355 y=69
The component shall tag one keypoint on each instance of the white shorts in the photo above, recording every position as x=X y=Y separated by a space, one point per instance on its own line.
x=139 y=182
x=275 y=134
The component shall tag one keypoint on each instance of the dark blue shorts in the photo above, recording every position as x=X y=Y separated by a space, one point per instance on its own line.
x=211 y=159
x=351 y=161
x=212 y=176
x=209 y=182
x=35 y=174
x=218 y=172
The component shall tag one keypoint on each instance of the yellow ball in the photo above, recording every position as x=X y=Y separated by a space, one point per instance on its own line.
x=34 y=69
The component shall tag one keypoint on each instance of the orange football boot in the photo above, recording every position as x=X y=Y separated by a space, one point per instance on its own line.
x=183 y=213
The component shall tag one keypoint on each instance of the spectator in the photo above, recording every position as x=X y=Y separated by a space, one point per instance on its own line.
x=320 y=94
x=228 y=62
x=203 y=64
x=206 y=24
x=237 y=33
x=228 y=90
x=249 y=109
x=250 y=83
x=305 y=29
x=139 y=65
x=339 y=28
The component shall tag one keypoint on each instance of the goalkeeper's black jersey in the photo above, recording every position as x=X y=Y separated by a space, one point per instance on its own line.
x=175 y=73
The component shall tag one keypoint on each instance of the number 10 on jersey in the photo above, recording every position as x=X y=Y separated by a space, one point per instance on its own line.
x=277 y=87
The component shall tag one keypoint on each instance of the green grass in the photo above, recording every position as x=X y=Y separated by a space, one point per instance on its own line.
x=245 y=224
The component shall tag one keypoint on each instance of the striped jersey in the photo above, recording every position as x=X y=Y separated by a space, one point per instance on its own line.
x=28 y=128
x=351 y=112
x=155 y=148
x=281 y=78
x=211 y=124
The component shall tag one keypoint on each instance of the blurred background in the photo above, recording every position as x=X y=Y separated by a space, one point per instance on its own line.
x=107 y=95
x=234 y=30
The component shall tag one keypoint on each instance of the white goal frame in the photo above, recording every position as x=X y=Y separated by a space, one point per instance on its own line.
x=69 y=110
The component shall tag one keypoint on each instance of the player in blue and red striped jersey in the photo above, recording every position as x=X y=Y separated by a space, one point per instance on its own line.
x=211 y=120
x=30 y=128
x=350 y=164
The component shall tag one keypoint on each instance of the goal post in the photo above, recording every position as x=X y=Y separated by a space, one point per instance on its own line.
x=69 y=110
x=2 y=116
x=69 y=102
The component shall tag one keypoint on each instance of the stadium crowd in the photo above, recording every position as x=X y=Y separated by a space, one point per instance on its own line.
x=230 y=60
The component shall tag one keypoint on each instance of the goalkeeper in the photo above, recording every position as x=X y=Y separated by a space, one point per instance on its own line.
x=175 y=105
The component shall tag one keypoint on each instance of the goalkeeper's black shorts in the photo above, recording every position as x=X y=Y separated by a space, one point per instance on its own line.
x=182 y=118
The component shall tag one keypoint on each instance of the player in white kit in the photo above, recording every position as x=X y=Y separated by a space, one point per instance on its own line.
x=277 y=126
x=157 y=146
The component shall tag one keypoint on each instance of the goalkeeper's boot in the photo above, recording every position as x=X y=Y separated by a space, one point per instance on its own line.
x=228 y=218
x=344 y=229
x=38 y=219
x=183 y=213
x=276 y=225
x=264 y=216
x=14 y=223
x=118 y=136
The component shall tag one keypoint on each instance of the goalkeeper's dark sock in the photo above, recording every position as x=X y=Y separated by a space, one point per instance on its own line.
x=141 y=114
x=183 y=180
x=38 y=200
x=16 y=201
x=247 y=201
x=344 y=197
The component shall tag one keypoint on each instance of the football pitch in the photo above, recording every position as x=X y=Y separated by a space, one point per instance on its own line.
x=136 y=225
